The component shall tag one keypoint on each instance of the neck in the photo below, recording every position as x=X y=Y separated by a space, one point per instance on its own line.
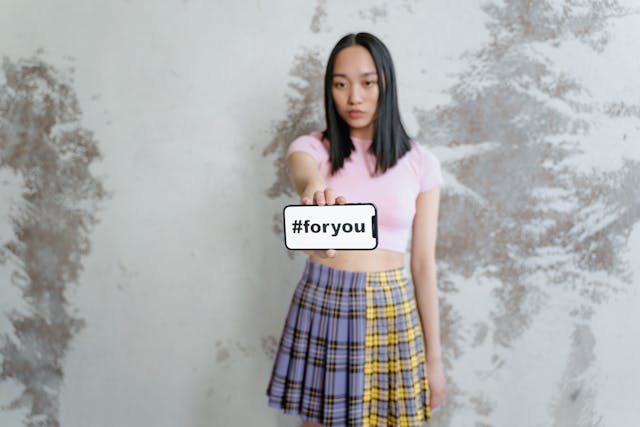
x=362 y=133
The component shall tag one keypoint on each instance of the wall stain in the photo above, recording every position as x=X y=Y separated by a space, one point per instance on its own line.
x=574 y=403
x=482 y=404
x=408 y=5
x=319 y=18
x=126 y=277
x=481 y=331
x=621 y=109
x=530 y=242
x=41 y=139
x=269 y=345
x=223 y=353
x=374 y=14
x=226 y=349
x=305 y=114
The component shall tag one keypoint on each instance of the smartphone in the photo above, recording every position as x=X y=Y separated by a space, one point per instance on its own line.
x=348 y=226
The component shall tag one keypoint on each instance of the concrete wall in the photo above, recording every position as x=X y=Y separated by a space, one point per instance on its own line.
x=143 y=279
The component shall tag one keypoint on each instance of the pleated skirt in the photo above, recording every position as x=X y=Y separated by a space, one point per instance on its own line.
x=351 y=351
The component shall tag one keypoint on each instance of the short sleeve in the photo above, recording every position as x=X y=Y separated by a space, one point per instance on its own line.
x=430 y=174
x=311 y=145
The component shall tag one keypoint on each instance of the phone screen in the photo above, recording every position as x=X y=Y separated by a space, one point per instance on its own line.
x=348 y=226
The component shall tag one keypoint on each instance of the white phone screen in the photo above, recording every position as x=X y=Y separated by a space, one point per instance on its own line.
x=348 y=226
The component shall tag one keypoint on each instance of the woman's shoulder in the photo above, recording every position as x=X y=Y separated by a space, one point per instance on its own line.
x=312 y=138
x=420 y=152
x=425 y=164
x=312 y=143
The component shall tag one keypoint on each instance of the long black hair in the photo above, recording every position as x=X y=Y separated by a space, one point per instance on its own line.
x=390 y=140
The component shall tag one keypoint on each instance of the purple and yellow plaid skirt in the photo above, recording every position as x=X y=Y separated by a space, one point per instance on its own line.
x=352 y=351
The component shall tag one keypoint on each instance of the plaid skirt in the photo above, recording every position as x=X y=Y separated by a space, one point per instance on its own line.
x=352 y=351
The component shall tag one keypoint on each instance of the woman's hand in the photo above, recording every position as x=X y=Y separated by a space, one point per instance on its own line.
x=437 y=382
x=322 y=198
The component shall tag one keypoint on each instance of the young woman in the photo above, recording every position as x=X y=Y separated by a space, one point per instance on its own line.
x=360 y=346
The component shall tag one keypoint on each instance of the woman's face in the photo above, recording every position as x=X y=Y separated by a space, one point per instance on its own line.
x=355 y=90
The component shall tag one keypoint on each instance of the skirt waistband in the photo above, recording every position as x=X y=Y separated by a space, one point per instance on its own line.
x=325 y=275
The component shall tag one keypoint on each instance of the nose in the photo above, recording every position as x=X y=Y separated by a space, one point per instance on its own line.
x=355 y=94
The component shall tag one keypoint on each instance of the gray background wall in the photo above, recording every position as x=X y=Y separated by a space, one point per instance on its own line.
x=143 y=280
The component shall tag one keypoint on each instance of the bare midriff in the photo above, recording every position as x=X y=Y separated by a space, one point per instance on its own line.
x=367 y=261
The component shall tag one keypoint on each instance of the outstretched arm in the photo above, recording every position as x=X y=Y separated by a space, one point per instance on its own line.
x=310 y=186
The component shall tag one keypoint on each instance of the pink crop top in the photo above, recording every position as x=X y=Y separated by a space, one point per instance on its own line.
x=394 y=193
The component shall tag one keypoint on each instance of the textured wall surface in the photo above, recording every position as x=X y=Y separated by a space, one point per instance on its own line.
x=143 y=279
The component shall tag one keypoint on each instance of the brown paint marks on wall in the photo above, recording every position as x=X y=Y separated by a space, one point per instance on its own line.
x=533 y=224
x=454 y=339
x=481 y=329
x=611 y=204
x=41 y=139
x=374 y=14
x=243 y=348
x=269 y=345
x=319 y=17
x=526 y=21
x=506 y=236
x=126 y=277
x=226 y=349
x=621 y=109
x=222 y=352
x=482 y=404
x=305 y=113
x=575 y=401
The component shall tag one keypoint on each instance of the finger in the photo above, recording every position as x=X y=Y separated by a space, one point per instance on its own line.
x=330 y=196
x=341 y=200
x=318 y=196
x=438 y=398
x=319 y=254
x=434 y=401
